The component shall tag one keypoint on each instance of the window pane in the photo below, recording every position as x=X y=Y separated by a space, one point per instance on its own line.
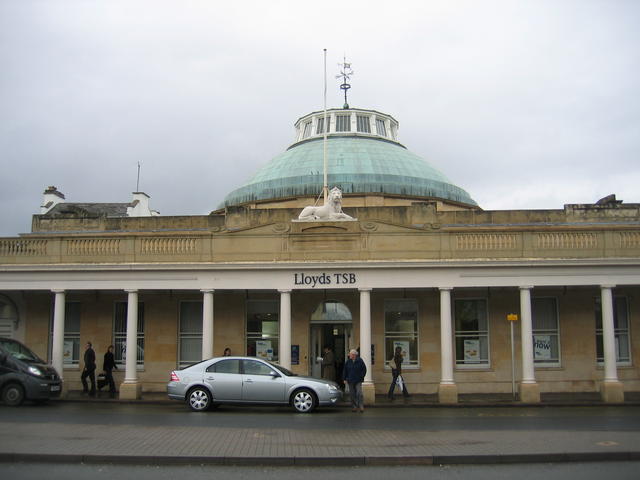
x=307 y=130
x=381 y=128
x=363 y=124
x=320 y=125
x=343 y=123
x=72 y=317
x=225 y=366
x=544 y=314
x=621 y=330
x=190 y=350
x=471 y=315
x=251 y=367
x=120 y=333
x=191 y=317
x=263 y=328
x=401 y=329
x=472 y=336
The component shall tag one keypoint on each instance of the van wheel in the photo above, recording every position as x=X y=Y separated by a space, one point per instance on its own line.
x=199 y=399
x=304 y=401
x=13 y=394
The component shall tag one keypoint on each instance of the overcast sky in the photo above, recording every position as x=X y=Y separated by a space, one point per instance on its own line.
x=525 y=104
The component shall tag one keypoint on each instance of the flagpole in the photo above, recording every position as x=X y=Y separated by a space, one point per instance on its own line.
x=325 y=185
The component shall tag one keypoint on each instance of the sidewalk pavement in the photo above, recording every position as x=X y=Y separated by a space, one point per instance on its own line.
x=416 y=400
x=342 y=438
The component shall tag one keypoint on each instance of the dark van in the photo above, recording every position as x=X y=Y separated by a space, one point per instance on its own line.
x=24 y=375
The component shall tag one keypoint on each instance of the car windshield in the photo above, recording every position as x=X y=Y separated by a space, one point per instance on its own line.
x=288 y=373
x=19 y=351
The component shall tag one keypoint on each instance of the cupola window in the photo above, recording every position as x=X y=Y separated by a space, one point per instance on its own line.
x=382 y=131
x=307 y=130
x=343 y=123
x=363 y=124
x=320 y=125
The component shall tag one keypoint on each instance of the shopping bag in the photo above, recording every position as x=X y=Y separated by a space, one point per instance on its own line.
x=102 y=380
x=400 y=383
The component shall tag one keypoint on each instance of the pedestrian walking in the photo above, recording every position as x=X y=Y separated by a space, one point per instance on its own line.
x=89 y=370
x=108 y=365
x=353 y=375
x=396 y=371
x=227 y=352
x=329 y=365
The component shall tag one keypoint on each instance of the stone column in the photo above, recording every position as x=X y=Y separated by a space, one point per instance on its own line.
x=57 y=342
x=529 y=388
x=285 y=328
x=447 y=390
x=368 y=387
x=131 y=389
x=207 y=324
x=612 y=390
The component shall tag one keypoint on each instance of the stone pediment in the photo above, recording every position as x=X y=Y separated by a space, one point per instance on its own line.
x=315 y=228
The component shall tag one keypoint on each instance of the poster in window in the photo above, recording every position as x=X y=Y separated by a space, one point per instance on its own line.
x=542 y=347
x=472 y=350
x=67 y=351
x=404 y=345
x=264 y=350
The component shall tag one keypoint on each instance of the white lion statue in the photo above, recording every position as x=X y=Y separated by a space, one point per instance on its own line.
x=330 y=211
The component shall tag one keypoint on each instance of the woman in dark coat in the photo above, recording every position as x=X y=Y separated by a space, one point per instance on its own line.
x=396 y=371
x=108 y=365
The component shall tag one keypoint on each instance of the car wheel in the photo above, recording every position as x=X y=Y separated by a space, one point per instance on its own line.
x=199 y=399
x=304 y=401
x=13 y=394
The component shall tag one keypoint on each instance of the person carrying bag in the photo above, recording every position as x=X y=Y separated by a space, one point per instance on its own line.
x=396 y=371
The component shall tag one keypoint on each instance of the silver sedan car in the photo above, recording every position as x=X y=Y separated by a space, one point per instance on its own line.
x=249 y=380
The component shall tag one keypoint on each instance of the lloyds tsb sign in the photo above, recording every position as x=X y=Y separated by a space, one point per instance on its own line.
x=324 y=279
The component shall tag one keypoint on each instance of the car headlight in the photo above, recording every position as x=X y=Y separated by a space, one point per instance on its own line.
x=332 y=388
x=35 y=371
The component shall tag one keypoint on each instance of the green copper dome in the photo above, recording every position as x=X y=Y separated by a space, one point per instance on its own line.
x=356 y=163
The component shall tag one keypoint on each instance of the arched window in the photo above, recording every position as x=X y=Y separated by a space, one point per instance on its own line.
x=331 y=311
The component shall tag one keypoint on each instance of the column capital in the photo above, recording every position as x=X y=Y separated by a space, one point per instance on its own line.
x=284 y=290
x=58 y=290
x=365 y=289
x=207 y=290
x=445 y=289
x=131 y=290
x=525 y=287
x=607 y=286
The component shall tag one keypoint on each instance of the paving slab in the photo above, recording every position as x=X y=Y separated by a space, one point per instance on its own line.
x=116 y=432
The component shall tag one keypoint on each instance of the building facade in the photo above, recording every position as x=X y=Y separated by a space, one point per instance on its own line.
x=423 y=267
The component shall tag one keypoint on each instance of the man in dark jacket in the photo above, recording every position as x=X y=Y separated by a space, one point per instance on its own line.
x=89 y=370
x=353 y=375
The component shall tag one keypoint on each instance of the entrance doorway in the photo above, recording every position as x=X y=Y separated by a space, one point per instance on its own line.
x=331 y=326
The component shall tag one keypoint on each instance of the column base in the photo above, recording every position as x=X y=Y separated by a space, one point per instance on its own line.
x=130 y=391
x=369 y=393
x=529 y=392
x=448 y=393
x=612 y=392
x=64 y=391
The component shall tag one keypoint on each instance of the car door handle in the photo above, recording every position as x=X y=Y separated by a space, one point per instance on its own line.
x=248 y=380
x=211 y=378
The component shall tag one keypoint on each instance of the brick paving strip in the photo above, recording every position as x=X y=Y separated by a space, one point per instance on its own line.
x=60 y=442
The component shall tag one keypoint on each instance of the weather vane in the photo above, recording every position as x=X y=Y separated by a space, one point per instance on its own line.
x=345 y=73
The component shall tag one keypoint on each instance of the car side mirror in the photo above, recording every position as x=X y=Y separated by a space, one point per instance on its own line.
x=274 y=374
